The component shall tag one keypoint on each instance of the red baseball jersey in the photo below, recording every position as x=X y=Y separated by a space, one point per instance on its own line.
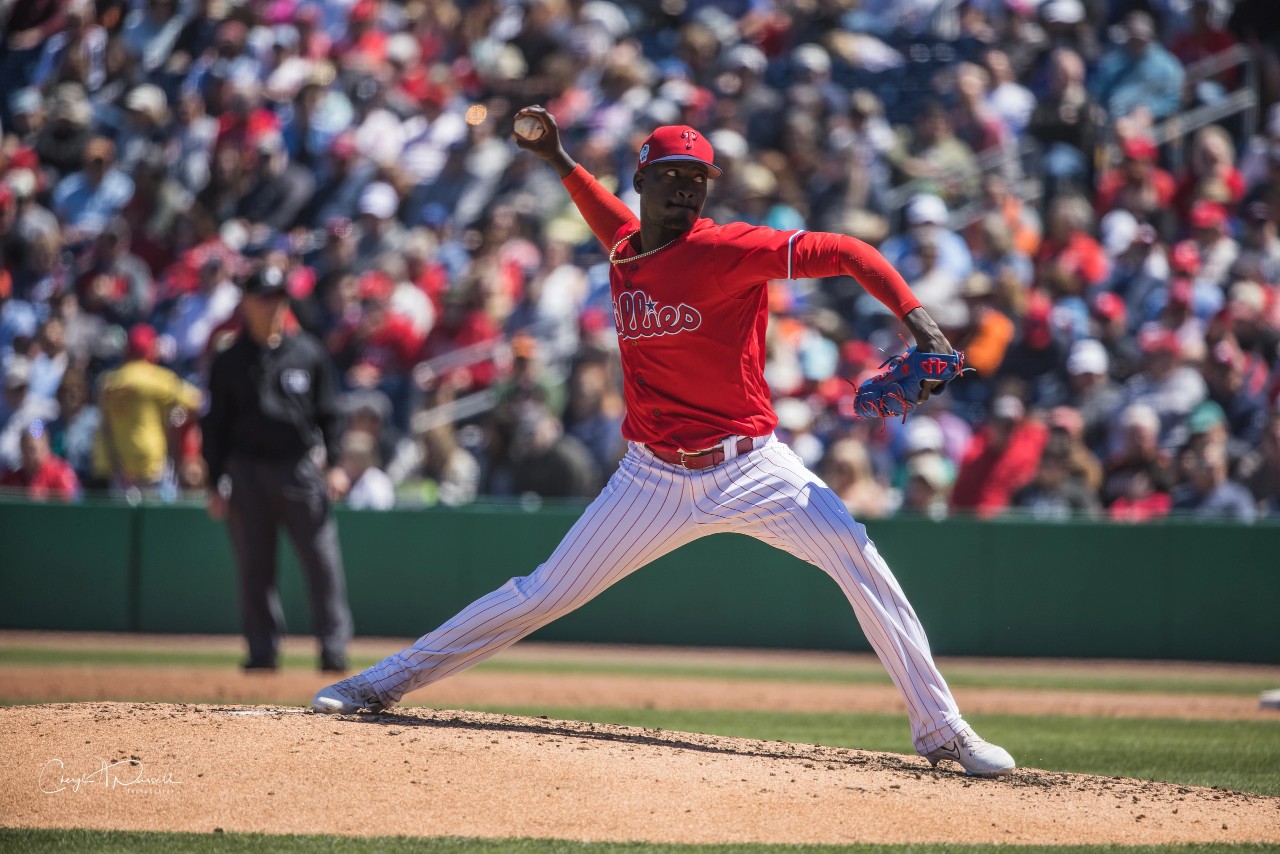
x=691 y=318
x=691 y=322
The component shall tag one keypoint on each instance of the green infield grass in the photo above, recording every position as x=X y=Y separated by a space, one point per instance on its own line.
x=122 y=842
x=1238 y=755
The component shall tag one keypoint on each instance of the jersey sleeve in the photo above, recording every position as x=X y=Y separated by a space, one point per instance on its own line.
x=604 y=212
x=818 y=254
x=745 y=256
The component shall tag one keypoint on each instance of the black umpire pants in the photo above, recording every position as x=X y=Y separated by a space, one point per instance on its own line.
x=266 y=494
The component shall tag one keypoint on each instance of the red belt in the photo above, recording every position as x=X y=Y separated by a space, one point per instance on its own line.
x=697 y=460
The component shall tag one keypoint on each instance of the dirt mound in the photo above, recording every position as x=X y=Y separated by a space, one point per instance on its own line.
x=431 y=773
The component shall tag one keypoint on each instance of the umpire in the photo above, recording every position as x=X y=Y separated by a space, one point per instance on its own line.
x=271 y=415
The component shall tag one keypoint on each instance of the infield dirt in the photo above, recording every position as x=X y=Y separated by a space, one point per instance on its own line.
x=240 y=766
x=425 y=772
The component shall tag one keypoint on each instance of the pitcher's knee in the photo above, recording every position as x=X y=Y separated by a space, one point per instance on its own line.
x=540 y=600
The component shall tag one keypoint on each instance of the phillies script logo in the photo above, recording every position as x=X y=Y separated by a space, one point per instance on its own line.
x=690 y=137
x=637 y=316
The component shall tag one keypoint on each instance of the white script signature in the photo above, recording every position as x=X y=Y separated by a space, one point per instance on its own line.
x=122 y=773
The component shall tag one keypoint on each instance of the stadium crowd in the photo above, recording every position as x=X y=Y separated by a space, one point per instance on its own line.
x=1116 y=286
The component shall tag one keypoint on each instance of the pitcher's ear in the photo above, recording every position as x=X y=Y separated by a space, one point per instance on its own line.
x=637 y=180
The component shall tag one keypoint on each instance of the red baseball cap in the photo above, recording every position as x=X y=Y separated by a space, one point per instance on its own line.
x=1109 y=306
x=142 y=342
x=1140 y=148
x=1185 y=258
x=1156 y=339
x=363 y=12
x=1206 y=214
x=678 y=142
x=375 y=285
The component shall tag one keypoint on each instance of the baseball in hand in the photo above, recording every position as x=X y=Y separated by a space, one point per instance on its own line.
x=530 y=128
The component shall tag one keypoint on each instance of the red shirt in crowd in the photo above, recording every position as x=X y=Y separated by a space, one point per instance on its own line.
x=55 y=478
x=1080 y=255
x=1114 y=180
x=1153 y=506
x=691 y=318
x=989 y=476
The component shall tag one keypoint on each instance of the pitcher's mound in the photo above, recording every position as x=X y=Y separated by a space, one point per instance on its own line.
x=445 y=773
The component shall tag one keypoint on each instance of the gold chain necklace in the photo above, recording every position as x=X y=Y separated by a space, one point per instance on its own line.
x=613 y=253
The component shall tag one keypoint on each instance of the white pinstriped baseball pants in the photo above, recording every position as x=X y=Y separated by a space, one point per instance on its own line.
x=650 y=508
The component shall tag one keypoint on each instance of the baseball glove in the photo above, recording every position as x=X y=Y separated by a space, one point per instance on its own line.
x=894 y=391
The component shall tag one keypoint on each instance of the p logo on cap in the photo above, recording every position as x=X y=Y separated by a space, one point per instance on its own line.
x=678 y=142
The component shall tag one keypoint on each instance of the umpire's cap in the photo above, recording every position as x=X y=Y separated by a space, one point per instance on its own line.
x=267 y=280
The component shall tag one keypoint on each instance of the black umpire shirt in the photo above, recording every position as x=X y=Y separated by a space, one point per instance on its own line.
x=270 y=404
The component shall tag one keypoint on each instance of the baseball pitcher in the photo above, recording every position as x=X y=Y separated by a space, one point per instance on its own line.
x=690 y=306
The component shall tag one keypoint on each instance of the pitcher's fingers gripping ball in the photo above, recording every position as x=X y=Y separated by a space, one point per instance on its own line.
x=530 y=128
x=898 y=389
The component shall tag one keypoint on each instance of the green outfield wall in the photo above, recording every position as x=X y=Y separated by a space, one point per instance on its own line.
x=1007 y=588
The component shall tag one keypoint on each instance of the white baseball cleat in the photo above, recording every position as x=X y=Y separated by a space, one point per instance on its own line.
x=978 y=758
x=347 y=697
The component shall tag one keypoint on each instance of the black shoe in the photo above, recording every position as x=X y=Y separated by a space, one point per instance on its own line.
x=333 y=664
x=260 y=666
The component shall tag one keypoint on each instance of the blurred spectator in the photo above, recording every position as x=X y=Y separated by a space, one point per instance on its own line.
x=63 y=143
x=927 y=488
x=50 y=360
x=1002 y=458
x=1138 y=475
x=846 y=468
x=1203 y=39
x=975 y=123
x=117 y=284
x=1093 y=394
x=452 y=474
x=1209 y=493
x=919 y=437
x=1211 y=172
x=1218 y=250
x=151 y=31
x=73 y=433
x=1138 y=73
x=594 y=409
x=1260 y=469
x=87 y=200
x=197 y=312
x=278 y=190
x=934 y=155
x=19 y=408
x=1066 y=122
x=141 y=404
x=377 y=230
x=40 y=474
x=1137 y=185
x=991 y=330
x=1070 y=261
x=927 y=223
x=1165 y=383
x=1010 y=101
x=1260 y=243
x=1054 y=495
x=548 y=462
x=1066 y=437
x=371 y=489
x=1038 y=355
x=1244 y=408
